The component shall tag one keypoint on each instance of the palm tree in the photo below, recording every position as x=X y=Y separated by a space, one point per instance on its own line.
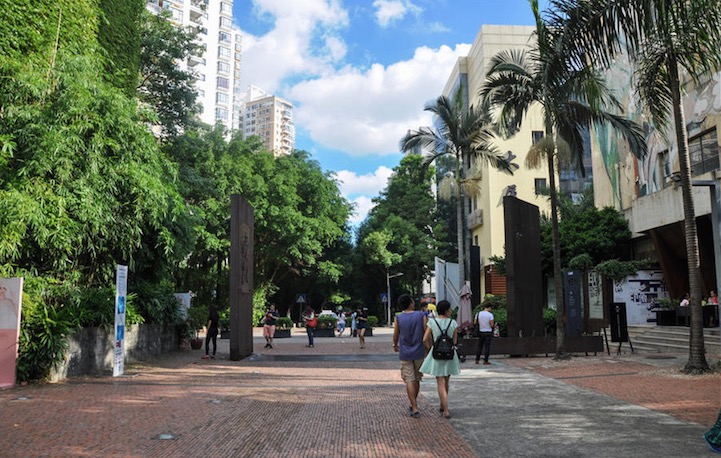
x=464 y=133
x=572 y=99
x=664 y=38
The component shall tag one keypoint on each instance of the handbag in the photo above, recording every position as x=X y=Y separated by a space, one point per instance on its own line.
x=312 y=322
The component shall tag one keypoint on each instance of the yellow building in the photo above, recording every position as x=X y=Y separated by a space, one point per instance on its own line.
x=485 y=216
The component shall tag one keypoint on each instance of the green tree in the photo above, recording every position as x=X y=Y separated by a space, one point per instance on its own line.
x=164 y=85
x=463 y=133
x=572 y=98
x=119 y=35
x=406 y=210
x=669 y=39
x=82 y=181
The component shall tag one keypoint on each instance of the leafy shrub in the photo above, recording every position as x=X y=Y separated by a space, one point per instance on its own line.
x=549 y=321
x=327 y=321
x=372 y=321
x=284 y=322
x=96 y=307
x=156 y=302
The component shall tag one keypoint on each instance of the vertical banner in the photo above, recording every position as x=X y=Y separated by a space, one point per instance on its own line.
x=121 y=291
x=11 y=293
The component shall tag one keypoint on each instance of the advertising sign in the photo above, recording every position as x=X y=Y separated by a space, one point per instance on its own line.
x=121 y=292
x=11 y=292
x=640 y=293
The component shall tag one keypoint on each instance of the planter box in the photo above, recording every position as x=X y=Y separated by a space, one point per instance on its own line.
x=225 y=334
x=517 y=346
x=324 y=333
x=665 y=317
x=281 y=334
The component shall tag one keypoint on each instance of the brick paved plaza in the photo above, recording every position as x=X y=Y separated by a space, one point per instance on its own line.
x=330 y=401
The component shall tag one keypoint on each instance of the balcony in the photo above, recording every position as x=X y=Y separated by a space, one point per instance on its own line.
x=195 y=60
x=475 y=218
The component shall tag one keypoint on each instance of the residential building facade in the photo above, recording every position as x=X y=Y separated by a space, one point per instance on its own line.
x=217 y=65
x=270 y=118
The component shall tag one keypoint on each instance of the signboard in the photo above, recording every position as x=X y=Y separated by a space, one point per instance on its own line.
x=595 y=295
x=300 y=299
x=384 y=298
x=640 y=293
x=574 y=304
x=619 y=326
x=121 y=292
x=11 y=292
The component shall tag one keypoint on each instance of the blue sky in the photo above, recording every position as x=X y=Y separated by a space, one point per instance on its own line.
x=360 y=71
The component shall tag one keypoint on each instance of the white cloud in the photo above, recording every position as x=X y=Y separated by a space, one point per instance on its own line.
x=368 y=111
x=356 y=188
x=286 y=50
x=371 y=183
x=363 y=205
x=388 y=11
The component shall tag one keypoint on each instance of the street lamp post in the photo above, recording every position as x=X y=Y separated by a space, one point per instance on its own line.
x=388 y=285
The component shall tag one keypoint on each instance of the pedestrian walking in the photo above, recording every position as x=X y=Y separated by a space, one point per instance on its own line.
x=341 y=323
x=442 y=369
x=354 y=324
x=486 y=323
x=212 y=333
x=409 y=328
x=362 y=324
x=269 y=327
x=311 y=320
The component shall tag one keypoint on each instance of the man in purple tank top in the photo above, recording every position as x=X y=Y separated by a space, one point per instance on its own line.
x=408 y=330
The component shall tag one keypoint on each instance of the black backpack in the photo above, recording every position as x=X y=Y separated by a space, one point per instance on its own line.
x=443 y=347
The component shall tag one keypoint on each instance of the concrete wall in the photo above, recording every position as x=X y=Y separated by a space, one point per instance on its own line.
x=90 y=350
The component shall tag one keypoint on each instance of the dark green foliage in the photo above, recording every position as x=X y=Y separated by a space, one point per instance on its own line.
x=618 y=270
x=372 y=321
x=588 y=235
x=95 y=307
x=549 y=321
x=119 y=36
x=163 y=85
x=29 y=29
x=156 y=301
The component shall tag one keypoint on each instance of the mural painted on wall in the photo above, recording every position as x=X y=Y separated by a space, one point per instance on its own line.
x=640 y=177
x=640 y=293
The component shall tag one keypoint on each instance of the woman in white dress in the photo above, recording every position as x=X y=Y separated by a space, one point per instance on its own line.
x=441 y=369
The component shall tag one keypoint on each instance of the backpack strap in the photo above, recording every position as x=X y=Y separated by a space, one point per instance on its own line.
x=444 y=331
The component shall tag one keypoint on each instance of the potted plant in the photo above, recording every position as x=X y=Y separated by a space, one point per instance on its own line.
x=666 y=312
x=283 y=326
x=326 y=326
x=372 y=323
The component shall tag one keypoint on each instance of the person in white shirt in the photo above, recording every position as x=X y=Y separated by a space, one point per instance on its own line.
x=484 y=318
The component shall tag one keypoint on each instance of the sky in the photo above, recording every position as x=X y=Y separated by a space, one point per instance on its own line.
x=359 y=72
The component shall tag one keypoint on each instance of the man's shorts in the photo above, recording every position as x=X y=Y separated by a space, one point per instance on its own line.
x=268 y=330
x=410 y=370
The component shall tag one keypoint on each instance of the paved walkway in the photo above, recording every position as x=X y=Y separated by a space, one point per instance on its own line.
x=337 y=400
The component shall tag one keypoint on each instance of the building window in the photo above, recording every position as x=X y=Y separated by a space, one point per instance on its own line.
x=227 y=23
x=224 y=37
x=703 y=152
x=226 y=7
x=224 y=52
x=540 y=186
x=223 y=67
x=221 y=97
x=536 y=136
x=223 y=83
x=221 y=114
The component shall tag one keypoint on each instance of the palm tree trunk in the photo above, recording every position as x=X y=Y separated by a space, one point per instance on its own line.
x=697 y=355
x=460 y=239
x=561 y=352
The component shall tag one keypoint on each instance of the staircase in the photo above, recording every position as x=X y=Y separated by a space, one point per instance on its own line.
x=669 y=339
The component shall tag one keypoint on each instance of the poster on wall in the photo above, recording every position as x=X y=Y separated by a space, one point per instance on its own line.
x=595 y=296
x=640 y=293
x=11 y=292
x=121 y=291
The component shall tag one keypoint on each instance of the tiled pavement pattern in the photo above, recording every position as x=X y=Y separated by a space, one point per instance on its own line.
x=336 y=400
